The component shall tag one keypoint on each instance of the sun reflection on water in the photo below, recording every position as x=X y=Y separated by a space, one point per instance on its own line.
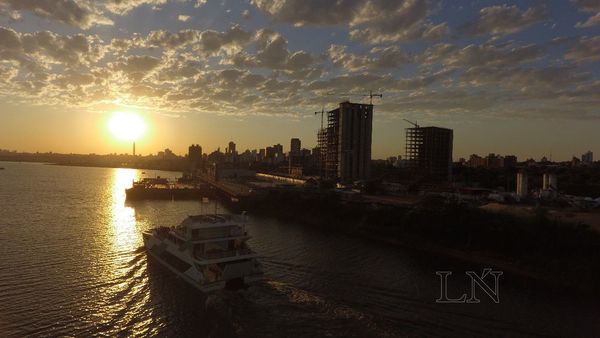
x=125 y=233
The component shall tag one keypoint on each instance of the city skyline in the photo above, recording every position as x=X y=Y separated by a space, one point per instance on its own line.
x=509 y=77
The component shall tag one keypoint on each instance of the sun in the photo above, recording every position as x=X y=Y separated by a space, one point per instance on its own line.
x=127 y=126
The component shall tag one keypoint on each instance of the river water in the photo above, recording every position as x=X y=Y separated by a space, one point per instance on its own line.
x=73 y=264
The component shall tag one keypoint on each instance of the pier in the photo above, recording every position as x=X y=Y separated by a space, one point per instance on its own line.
x=162 y=189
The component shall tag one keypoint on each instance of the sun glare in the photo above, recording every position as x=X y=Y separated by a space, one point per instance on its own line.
x=126 y=126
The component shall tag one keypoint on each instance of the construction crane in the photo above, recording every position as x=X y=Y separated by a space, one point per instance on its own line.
x=370 y=95
x=413 y=123
x=322 y=112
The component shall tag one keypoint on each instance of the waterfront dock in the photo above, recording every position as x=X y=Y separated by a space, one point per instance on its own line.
x=163 y=189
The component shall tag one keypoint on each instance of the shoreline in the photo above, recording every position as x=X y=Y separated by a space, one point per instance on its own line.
x=83 y=165
x=568 y=271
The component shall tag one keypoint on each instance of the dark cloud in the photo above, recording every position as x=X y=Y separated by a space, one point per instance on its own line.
x=504 y=19
x=137 y=67
x=592 y=6
x=586 y=49
x=481 y=55
x=272 y=53
x=212 y=41
x=81 y=14
x=379 y=58
x=373 y=21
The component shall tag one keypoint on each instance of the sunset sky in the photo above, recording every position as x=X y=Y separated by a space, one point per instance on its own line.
x=510 y=77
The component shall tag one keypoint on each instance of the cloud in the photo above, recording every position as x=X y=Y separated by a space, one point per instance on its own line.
x=208 y=42
x=374 y=21
x=378 y=22
x=379 y=58
x=183 y=18
x=74 y=80
x=526 y=80
x=212 y=41
x=9 y=39
x=45 y=47
x=137 y=67
x=168 y=40
x=586 y=49
x=592 y=6
x=80 y=14
x=507 y=55
x=272 y=53
x=504 y=19
x=124 y=6
x=235 y=71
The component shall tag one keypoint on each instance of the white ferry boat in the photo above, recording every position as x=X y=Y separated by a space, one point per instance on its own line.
x=207 y=251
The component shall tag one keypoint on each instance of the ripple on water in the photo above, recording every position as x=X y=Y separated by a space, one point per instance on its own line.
x=73 y=264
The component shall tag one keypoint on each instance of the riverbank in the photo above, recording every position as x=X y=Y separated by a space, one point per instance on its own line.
x=96 y=165
x=539 y=247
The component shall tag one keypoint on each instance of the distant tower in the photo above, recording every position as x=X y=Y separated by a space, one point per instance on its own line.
x=231 y=148
x=522 y=189
x=134 y=148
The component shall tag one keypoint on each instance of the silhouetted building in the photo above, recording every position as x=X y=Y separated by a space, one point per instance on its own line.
x=167 y=154
x=194 y=156
x=476 y=161
x=278 y=149
x=510 y=161
x=493 y=161
x=429 y=152
x=295 y=146
x=295 y=155
x=346 y=142
x=231 y=148
x=587 y=158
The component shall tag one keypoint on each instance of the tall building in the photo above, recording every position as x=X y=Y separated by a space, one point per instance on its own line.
x=345 y=144
x=429 y=152
x=295 y=156
x=493 y=161
x=194 y=156
x=278 y=149
x=295 y=146
x=510 y=161
x=476 y=161
x=231 y=148
x=587 y=158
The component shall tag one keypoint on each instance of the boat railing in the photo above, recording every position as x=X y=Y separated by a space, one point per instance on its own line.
x=223 y=254
x=230 y=232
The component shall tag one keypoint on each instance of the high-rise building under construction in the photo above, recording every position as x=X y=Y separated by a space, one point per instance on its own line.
x=429 y=152
x=345 y=143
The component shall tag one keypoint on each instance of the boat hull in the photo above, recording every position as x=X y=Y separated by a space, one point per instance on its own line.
x=157 y=249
